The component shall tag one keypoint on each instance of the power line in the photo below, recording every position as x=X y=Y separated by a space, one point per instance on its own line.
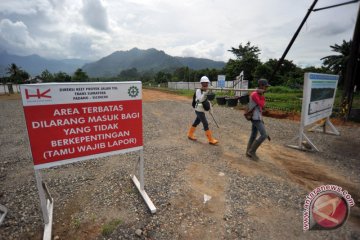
x=293 y=39
x=311 y=9
x=337 y=5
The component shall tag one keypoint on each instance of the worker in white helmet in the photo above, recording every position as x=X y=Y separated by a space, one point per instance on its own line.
x=202 y=105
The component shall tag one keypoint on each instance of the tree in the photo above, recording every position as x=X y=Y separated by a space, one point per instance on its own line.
x=17 y=75
x=13 y=70
x=130 y=74
x=22 y=76
x=162 y=77
x=247 y=59
x=337 y=63
x=179 y=74
x=80 y=76
x=47 y=76
x=289 y=74
x=147 y=76
x=211 y=74
x=61 y=77
x=246 y=51
x=263 y=71
x=313 y=69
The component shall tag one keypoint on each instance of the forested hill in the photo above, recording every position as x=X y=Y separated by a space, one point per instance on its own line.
x=145 y=60
x=35 y=64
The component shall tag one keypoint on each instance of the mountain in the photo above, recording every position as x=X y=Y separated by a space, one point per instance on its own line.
x=200 y=63
x=109 y=66
x=34 y=64
x=145 y=60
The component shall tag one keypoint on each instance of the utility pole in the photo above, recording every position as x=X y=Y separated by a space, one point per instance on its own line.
x=293 y=40
x=301 y=25
x=352 y=77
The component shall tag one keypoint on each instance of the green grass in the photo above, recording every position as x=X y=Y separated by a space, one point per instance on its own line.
x=356 y=101
x=76 y=223
x=284 y=106
x=109 y=227
x=189 y=93
x=278 y=97
x=283 y=89
x=283 y=97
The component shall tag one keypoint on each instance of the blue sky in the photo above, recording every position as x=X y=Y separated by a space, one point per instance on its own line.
x=91 y=29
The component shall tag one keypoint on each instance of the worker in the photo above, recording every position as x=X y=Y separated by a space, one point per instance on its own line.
x=257 y=103
x=201 y=105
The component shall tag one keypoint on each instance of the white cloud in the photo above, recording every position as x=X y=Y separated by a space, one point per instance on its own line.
x=197 y=28
x=16 y=34
x=201 y=49
x=80 y=45
x=95 y=14
x=17 y=7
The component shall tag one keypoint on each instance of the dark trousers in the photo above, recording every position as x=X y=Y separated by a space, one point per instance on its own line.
x=257 y=126
x=200 y=117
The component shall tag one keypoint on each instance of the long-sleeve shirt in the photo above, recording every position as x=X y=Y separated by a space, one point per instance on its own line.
x=257 y=101
x=200 y=97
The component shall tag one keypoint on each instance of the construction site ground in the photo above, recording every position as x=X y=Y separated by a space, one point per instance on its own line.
x=200 y=191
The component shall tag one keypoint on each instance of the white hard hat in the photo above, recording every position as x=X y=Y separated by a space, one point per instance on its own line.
x=204 y=79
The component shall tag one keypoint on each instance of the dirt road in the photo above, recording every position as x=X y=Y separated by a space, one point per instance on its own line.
x=247 y=199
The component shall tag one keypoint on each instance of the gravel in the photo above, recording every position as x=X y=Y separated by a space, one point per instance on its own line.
x=250 y=200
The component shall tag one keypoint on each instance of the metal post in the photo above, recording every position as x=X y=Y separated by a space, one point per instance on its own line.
x=301 y=132
x=140 y=185
x=352 y=68
x=141 y=173
x=337 y=5
x=43 y=202
x=293 y=40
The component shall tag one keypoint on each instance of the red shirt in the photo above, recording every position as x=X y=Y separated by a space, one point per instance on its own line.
x=258 y=99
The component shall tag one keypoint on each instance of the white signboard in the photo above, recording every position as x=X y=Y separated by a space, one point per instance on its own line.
x=241 y=84
x=318 y=97
x=318 y=101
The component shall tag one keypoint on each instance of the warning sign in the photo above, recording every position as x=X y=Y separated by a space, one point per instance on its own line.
x=69 y=122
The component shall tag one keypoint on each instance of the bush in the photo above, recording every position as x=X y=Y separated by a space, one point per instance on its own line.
x=283 y=89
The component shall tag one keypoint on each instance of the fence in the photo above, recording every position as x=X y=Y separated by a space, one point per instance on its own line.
x=193 y=85
x=6 y=88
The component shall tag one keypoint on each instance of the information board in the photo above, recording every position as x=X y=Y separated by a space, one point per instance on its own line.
x=318 y=96
x=70 y=122
x=221 y=81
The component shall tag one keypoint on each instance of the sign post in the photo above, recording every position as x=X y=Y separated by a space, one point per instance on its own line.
x=71 y=122
x=221 y=81
x=318 y=100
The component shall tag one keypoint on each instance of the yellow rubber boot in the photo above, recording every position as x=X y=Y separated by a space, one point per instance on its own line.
x=191 y=135
x=212 y=140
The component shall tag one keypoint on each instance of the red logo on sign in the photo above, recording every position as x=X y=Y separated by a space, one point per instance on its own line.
x=330 y=210
x=38 y=94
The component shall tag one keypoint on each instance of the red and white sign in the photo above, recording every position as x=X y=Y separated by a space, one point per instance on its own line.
x=70 y=122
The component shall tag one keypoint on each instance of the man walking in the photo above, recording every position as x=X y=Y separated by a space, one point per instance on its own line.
x=257 y=103
x=201 y=100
